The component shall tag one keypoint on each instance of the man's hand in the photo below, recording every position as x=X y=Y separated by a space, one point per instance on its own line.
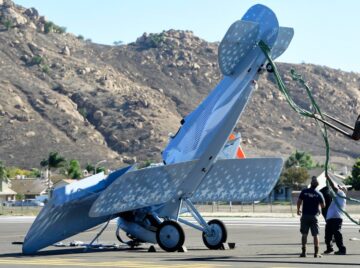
x=298 y=206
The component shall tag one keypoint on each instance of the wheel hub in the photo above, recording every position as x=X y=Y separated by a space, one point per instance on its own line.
x=169 y=236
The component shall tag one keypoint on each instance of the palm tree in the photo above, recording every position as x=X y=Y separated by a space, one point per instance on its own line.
x=54 y=161
x=3 y=173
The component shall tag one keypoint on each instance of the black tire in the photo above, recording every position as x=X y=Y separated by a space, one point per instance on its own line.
x=170 y=236
x=219 y=235
x=269 y=68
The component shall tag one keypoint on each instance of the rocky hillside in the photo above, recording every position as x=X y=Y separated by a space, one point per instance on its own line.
x=93 y=102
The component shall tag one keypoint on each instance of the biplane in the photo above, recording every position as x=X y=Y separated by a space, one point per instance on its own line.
x=199 y=164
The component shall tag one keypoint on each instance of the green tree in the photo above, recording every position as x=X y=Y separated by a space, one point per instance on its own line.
x=53 y=162
x=294 y=177
x=74 y=170
x=300 y=159
x=90 y=168
x=35 y=173
x=48 y=27
x=157 y=39
x=145 y=164
x=12 y=172
x=36 y=60
x=45 y=68
x=19 y=197
x=118 y=43
x=8 y=24
x=354 y=179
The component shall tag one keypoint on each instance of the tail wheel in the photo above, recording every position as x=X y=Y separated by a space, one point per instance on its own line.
x=269 y=68
x=170 y=236
x=217 y=235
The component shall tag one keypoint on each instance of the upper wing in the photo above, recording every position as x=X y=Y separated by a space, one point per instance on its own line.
x=67 y=212
x=245 y=180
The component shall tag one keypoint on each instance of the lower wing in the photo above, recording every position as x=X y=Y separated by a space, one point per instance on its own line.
x=245 y=180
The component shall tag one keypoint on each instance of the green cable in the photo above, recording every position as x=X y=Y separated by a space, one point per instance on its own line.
x=283 y=89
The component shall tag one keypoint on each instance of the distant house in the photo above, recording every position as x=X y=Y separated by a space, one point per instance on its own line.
x=285 y=192
x=63 y=182
x=29 y=188
x=281 y=193
x=6 y=194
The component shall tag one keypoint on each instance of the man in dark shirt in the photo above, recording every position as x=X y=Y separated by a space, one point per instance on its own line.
x=311 y=200
x=327 y=197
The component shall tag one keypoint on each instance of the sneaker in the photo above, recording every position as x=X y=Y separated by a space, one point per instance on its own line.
x=317 y=255
x=340 y=252
x=303 y=255
x=328 y=251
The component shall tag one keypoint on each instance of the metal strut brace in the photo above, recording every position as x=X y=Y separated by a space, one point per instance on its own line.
x=98 y=234
x=356 y=129
x=204 y=227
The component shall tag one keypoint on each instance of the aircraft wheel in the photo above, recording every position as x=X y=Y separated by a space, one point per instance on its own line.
x=269 y=68
x=217 y=235
x=170 y=236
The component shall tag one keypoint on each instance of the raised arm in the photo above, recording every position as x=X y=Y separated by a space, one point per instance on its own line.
x=332 y=184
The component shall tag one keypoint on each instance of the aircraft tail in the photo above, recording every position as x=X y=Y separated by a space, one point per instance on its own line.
x=232 y=148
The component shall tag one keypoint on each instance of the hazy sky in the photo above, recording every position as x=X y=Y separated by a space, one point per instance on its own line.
x=326 y=32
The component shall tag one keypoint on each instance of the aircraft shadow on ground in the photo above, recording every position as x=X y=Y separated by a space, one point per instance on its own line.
x=69 y=251
x=258 y=259
x=275 y=244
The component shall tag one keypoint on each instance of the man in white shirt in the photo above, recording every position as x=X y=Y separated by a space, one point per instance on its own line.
x=334 y=219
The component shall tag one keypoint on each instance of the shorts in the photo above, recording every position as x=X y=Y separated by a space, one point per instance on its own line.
x=309 y=222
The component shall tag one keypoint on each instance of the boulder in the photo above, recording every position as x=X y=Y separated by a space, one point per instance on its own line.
x=30 y=134
x=50 y=101
x=22 y=118
x=98 y=115
x=8 y=3
x=81 y=71
x=196 y=66
x=11 y=15
x=32 y=13
x=129 y=160
x=123 y=146
x=35 y=49
x=66 y=51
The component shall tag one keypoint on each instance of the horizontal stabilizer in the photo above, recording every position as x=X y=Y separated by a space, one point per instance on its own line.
x=282 y=42
x=244 y=180
x=238 y=41
x=141 y=188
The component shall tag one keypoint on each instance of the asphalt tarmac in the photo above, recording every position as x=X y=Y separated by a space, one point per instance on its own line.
x=260 y=242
